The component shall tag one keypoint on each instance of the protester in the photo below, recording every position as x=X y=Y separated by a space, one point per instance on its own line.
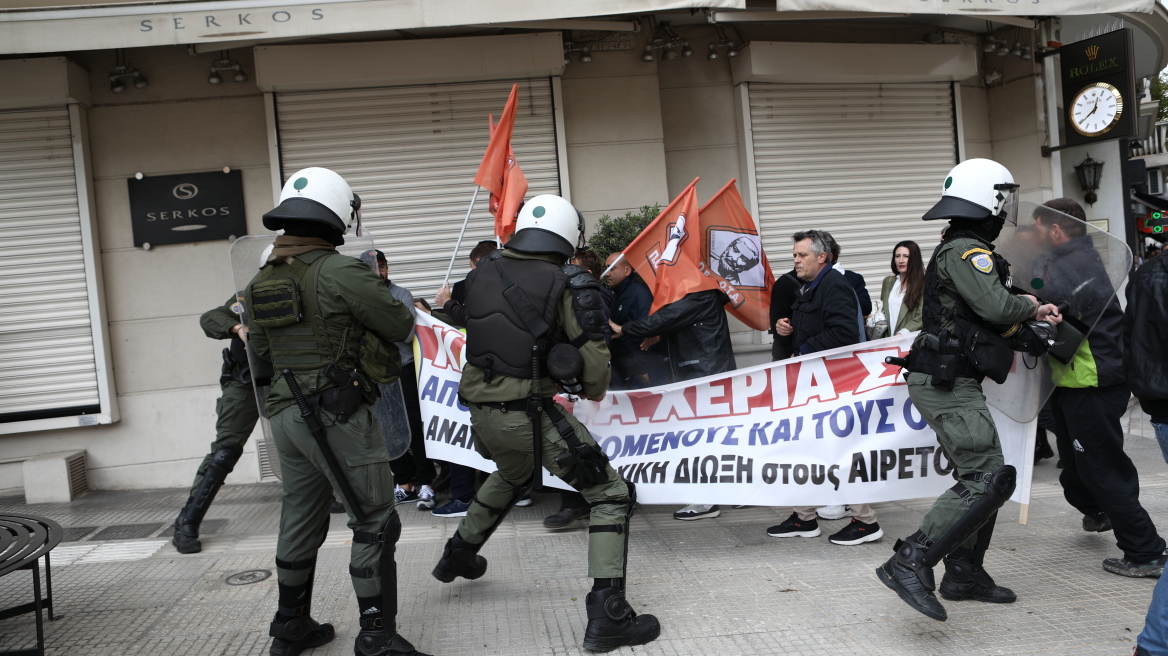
x=826 y=314
x=636 y=363
x=782 y=296
x=1098 y=478
x=902 y=292
x=854 y=279
x=697 y=337
x=1145 y=331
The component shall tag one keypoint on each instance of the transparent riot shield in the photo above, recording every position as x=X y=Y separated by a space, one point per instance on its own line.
x=1060 y=260
x=246 y=256
x=390 y=408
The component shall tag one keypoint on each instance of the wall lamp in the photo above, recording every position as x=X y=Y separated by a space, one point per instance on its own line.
x=224 y=64
x=724 y=42
x=1089 y=172
x=123 y=71
x=584 y=49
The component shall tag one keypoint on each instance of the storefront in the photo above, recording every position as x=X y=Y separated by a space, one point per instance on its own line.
x=844 y=122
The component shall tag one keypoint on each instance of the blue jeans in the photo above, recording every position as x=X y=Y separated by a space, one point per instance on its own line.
x=1154 y=638
x=1162 y=438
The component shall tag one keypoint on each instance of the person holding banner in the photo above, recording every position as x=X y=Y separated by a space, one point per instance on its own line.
x=967 y=308
x=308 y=309
x=534 y=327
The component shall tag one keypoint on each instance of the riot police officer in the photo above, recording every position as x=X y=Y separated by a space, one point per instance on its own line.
x=972 y=324
x=237 y=416
x=531 y=320
x=308 y=310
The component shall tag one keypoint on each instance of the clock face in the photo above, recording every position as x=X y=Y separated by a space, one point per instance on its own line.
x=1096 y=109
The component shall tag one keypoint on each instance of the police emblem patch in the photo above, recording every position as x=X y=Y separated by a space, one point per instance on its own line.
x=982 y=262
x=237 y=307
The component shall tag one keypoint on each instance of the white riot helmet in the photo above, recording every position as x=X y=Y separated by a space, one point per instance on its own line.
x=547 y=224
x=316 y=195
x=977 y=189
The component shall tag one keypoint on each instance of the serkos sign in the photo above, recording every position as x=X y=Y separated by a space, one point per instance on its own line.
x=832 y=428
x=176 y=209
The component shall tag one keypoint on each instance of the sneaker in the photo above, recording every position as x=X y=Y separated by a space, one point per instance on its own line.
x=857 y=532
x=697 y=511
x=402 y=495
x=524 y=501
x=834 y=512
x=426 y=498
x=1125 y=567
x=795 y=528
x=1097 y=523
x=455 y=508
x=566 y=518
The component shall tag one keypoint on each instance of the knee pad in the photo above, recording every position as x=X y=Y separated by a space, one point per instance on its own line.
x=223 y=461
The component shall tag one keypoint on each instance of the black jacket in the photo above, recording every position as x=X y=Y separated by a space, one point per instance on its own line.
x=630 y=301
x=782 y=296
x=858 y=286
x=696 y=331
x=1145 y=331
x=825 y=314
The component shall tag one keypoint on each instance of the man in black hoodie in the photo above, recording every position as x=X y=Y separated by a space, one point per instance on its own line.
x=1145 y=331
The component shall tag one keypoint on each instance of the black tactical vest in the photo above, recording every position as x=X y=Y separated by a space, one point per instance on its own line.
x=497 y=340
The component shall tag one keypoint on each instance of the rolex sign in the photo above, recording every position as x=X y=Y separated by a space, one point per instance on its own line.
x=175 y=209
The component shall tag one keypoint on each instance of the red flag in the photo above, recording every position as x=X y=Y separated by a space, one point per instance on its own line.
x=667 y=253
x=499 y=173
x=732 y=255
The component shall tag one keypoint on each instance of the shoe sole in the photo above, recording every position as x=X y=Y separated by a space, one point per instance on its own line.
x=603 y=645
x=457 y=514
x=867 y=538
x=424 y=506
x=520 y=504
x=448 y=577
x=294 y=649
x=398 y=503
x=1150 y=574
x=690 y=518
x=887 y=581
x=798 y=534
x=949 y=596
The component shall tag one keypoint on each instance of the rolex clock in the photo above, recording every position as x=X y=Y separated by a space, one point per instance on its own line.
x=1096 y=109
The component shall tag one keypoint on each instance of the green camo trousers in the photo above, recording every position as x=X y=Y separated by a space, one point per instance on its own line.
x=969 y=439
x=505 y=438
x=237 y=416
x=309 y=487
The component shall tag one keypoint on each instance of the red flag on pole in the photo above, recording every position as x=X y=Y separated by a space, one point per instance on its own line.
x=667 y=253
x=732 y=255
x=499 y=173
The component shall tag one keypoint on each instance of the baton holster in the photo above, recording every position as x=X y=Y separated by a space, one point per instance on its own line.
x=586 y=464
x=344 y=399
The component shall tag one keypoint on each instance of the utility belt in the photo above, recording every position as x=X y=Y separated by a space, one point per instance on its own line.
x=946 y=358
x=346 y=398
x=586 y=464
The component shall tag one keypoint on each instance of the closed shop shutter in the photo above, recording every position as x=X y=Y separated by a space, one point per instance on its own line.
x=862 y=161
x=411 y=153
x=47 y=366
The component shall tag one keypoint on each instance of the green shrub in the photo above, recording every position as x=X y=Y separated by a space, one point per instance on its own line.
x=614 y=235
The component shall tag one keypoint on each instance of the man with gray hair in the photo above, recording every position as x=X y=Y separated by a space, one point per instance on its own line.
x=825 y=315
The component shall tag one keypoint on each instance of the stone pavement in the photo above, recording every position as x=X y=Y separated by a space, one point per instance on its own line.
x=719 y=586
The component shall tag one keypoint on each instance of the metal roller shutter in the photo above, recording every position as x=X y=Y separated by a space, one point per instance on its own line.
x=862 y=161
x=47 y=365
x=411 y=153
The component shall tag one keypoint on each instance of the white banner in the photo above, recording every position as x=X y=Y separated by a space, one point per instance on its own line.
x=831 y=428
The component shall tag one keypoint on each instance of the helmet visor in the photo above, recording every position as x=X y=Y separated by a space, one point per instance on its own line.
x=1007 y=197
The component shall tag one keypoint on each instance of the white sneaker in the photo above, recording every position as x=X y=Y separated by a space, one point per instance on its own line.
x=697 y=511
x=834 y=512
x=426 y=498
x=524 y=501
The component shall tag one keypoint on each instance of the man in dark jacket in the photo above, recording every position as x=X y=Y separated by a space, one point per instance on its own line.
x=1098 y=478
x=635 y=362
x=1145 y=331
x=697 y=337
x=783 y=295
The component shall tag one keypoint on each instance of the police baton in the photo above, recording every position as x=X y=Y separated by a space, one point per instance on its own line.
x=535 y=412
x=314 y=426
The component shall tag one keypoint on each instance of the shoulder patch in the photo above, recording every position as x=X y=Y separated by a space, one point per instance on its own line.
x=237 y=307
x=982 y=262
x=972 y=251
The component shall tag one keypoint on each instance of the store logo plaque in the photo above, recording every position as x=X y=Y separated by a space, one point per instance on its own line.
x=188 y=207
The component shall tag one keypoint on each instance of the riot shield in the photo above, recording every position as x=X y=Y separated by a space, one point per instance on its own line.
x=1062 y=260
x=246 y=256
x=390 y=408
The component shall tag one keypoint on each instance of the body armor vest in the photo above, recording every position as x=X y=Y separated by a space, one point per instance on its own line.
x=498 y=341
x=283 y=301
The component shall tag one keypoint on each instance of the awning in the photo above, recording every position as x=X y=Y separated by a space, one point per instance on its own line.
x=67 y=25
x=975 y=8
x=1154 y=202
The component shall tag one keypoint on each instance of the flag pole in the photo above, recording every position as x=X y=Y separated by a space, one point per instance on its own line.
x=462 y=232
x=614 y=263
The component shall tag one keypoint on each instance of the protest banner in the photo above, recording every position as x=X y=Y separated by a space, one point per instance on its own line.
x=829 y=428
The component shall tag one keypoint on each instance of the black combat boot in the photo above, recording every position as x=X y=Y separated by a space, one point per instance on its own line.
x=186 y=534
x=460 y=558
x=612 y=622
x=292 y=636
x=374 y=640
x=964 y=579
x=911 y=578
